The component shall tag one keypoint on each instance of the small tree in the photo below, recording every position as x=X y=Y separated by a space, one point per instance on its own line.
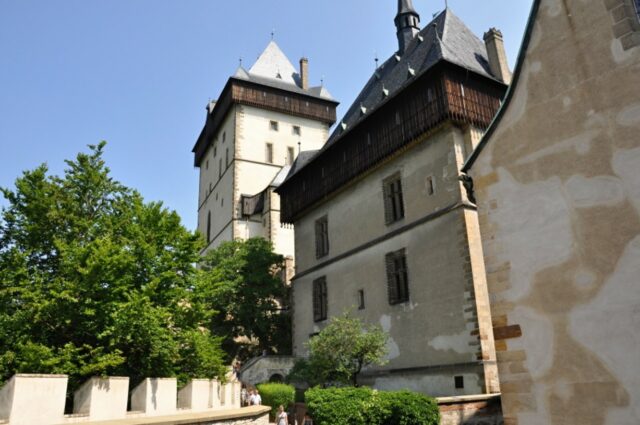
x=341 y=351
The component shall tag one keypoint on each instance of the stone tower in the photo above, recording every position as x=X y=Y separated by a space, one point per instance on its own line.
x=250 y=139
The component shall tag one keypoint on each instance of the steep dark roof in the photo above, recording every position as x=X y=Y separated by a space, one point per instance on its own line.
x=446 y=38
x=302 y=159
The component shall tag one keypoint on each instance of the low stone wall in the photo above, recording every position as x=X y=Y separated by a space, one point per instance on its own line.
x=40 y=399
x=471 y=410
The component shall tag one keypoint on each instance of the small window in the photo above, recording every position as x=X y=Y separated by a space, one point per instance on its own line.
x=459 y=381
x=322 y=237
x=430 y=185
x=215 y=151
x=224 y=137
x=226 y=156
x=207 y=164
x=393 y=201
x=290 y=155
x=222 y=202
x=220 y=168
x=269 y=153
x=397 y=277
x=296 y=129
x=210 y=187
x=361 y=299
x=209 y=227
x=273 y=125
x=320 y=299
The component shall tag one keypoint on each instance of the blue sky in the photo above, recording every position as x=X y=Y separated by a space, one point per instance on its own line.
x=138 y=73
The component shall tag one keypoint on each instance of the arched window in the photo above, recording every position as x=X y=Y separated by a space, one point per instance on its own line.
x=209 y=227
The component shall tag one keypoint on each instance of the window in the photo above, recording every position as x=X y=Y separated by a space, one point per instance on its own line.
x=273 y=125
x=322 y=237
x=361 y=299
x=269 y=153
x=215 y=151
x=393 y=202
x=226 y=157
x=320 y=299
x=430 y=186
x=397 y=278
x=209 y=227
x=220 y=168
x=224 y=137
x=459 y=381
x=296 y=129
x=207 y=164
x=290 y=155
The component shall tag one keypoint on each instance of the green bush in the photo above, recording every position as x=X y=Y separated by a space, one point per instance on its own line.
x=274 y=395
x=363 y=406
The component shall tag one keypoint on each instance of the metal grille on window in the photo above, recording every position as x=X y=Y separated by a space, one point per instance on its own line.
x=320 y=299
x=393 y=200
x=322 y=237
x=397 y=277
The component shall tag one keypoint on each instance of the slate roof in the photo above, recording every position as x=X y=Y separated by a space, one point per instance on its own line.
x=273 y=69
x=446 y=38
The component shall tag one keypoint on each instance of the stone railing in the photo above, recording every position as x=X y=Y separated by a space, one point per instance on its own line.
x=40 y=399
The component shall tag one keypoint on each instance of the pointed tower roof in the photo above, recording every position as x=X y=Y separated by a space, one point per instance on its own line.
x=273 y=63
x=406 y=6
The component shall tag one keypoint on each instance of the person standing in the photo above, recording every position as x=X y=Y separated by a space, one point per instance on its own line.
x=281 y=417
x=258 y=399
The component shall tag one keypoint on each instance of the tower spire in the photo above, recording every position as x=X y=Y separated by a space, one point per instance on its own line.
x=407 y=24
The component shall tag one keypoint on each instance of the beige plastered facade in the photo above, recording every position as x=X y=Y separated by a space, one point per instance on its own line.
x=558 y=189
x=445 y=329
x=236 y=164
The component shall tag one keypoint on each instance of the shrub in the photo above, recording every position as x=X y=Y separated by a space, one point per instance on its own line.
x=338 y=406
x=363 y=406
x=274 y=395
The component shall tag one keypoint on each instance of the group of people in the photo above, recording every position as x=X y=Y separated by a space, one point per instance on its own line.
x=251 y=397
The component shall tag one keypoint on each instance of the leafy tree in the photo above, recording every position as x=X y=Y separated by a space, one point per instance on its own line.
x=95 y=281
x=242 y=280
x=340 y=352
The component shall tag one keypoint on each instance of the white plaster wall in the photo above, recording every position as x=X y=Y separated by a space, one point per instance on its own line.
x=256 y=132
x=220 y=199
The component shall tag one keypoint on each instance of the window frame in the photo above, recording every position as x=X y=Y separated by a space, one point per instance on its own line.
x=291 y=155
x=397 y=277
x=274 y=125
x=322 y=236
x=320 y=299
x=268 y=153
x=296 y=130
x=393 y=198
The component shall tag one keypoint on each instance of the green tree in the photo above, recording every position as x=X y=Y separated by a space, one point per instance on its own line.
x=242 y=279
x=340 y=352
x=95 y=281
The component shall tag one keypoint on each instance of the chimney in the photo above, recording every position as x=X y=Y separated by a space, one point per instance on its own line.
x=497 y=55
x=304 y=73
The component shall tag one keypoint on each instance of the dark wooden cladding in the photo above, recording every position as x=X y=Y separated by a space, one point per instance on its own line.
x=248 y=93
x=447 y=93
x=264 y=97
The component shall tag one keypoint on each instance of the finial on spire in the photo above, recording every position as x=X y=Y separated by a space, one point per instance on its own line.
x=240 y=60
x=273 y=33
x=407 y=24
x=376 y=59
